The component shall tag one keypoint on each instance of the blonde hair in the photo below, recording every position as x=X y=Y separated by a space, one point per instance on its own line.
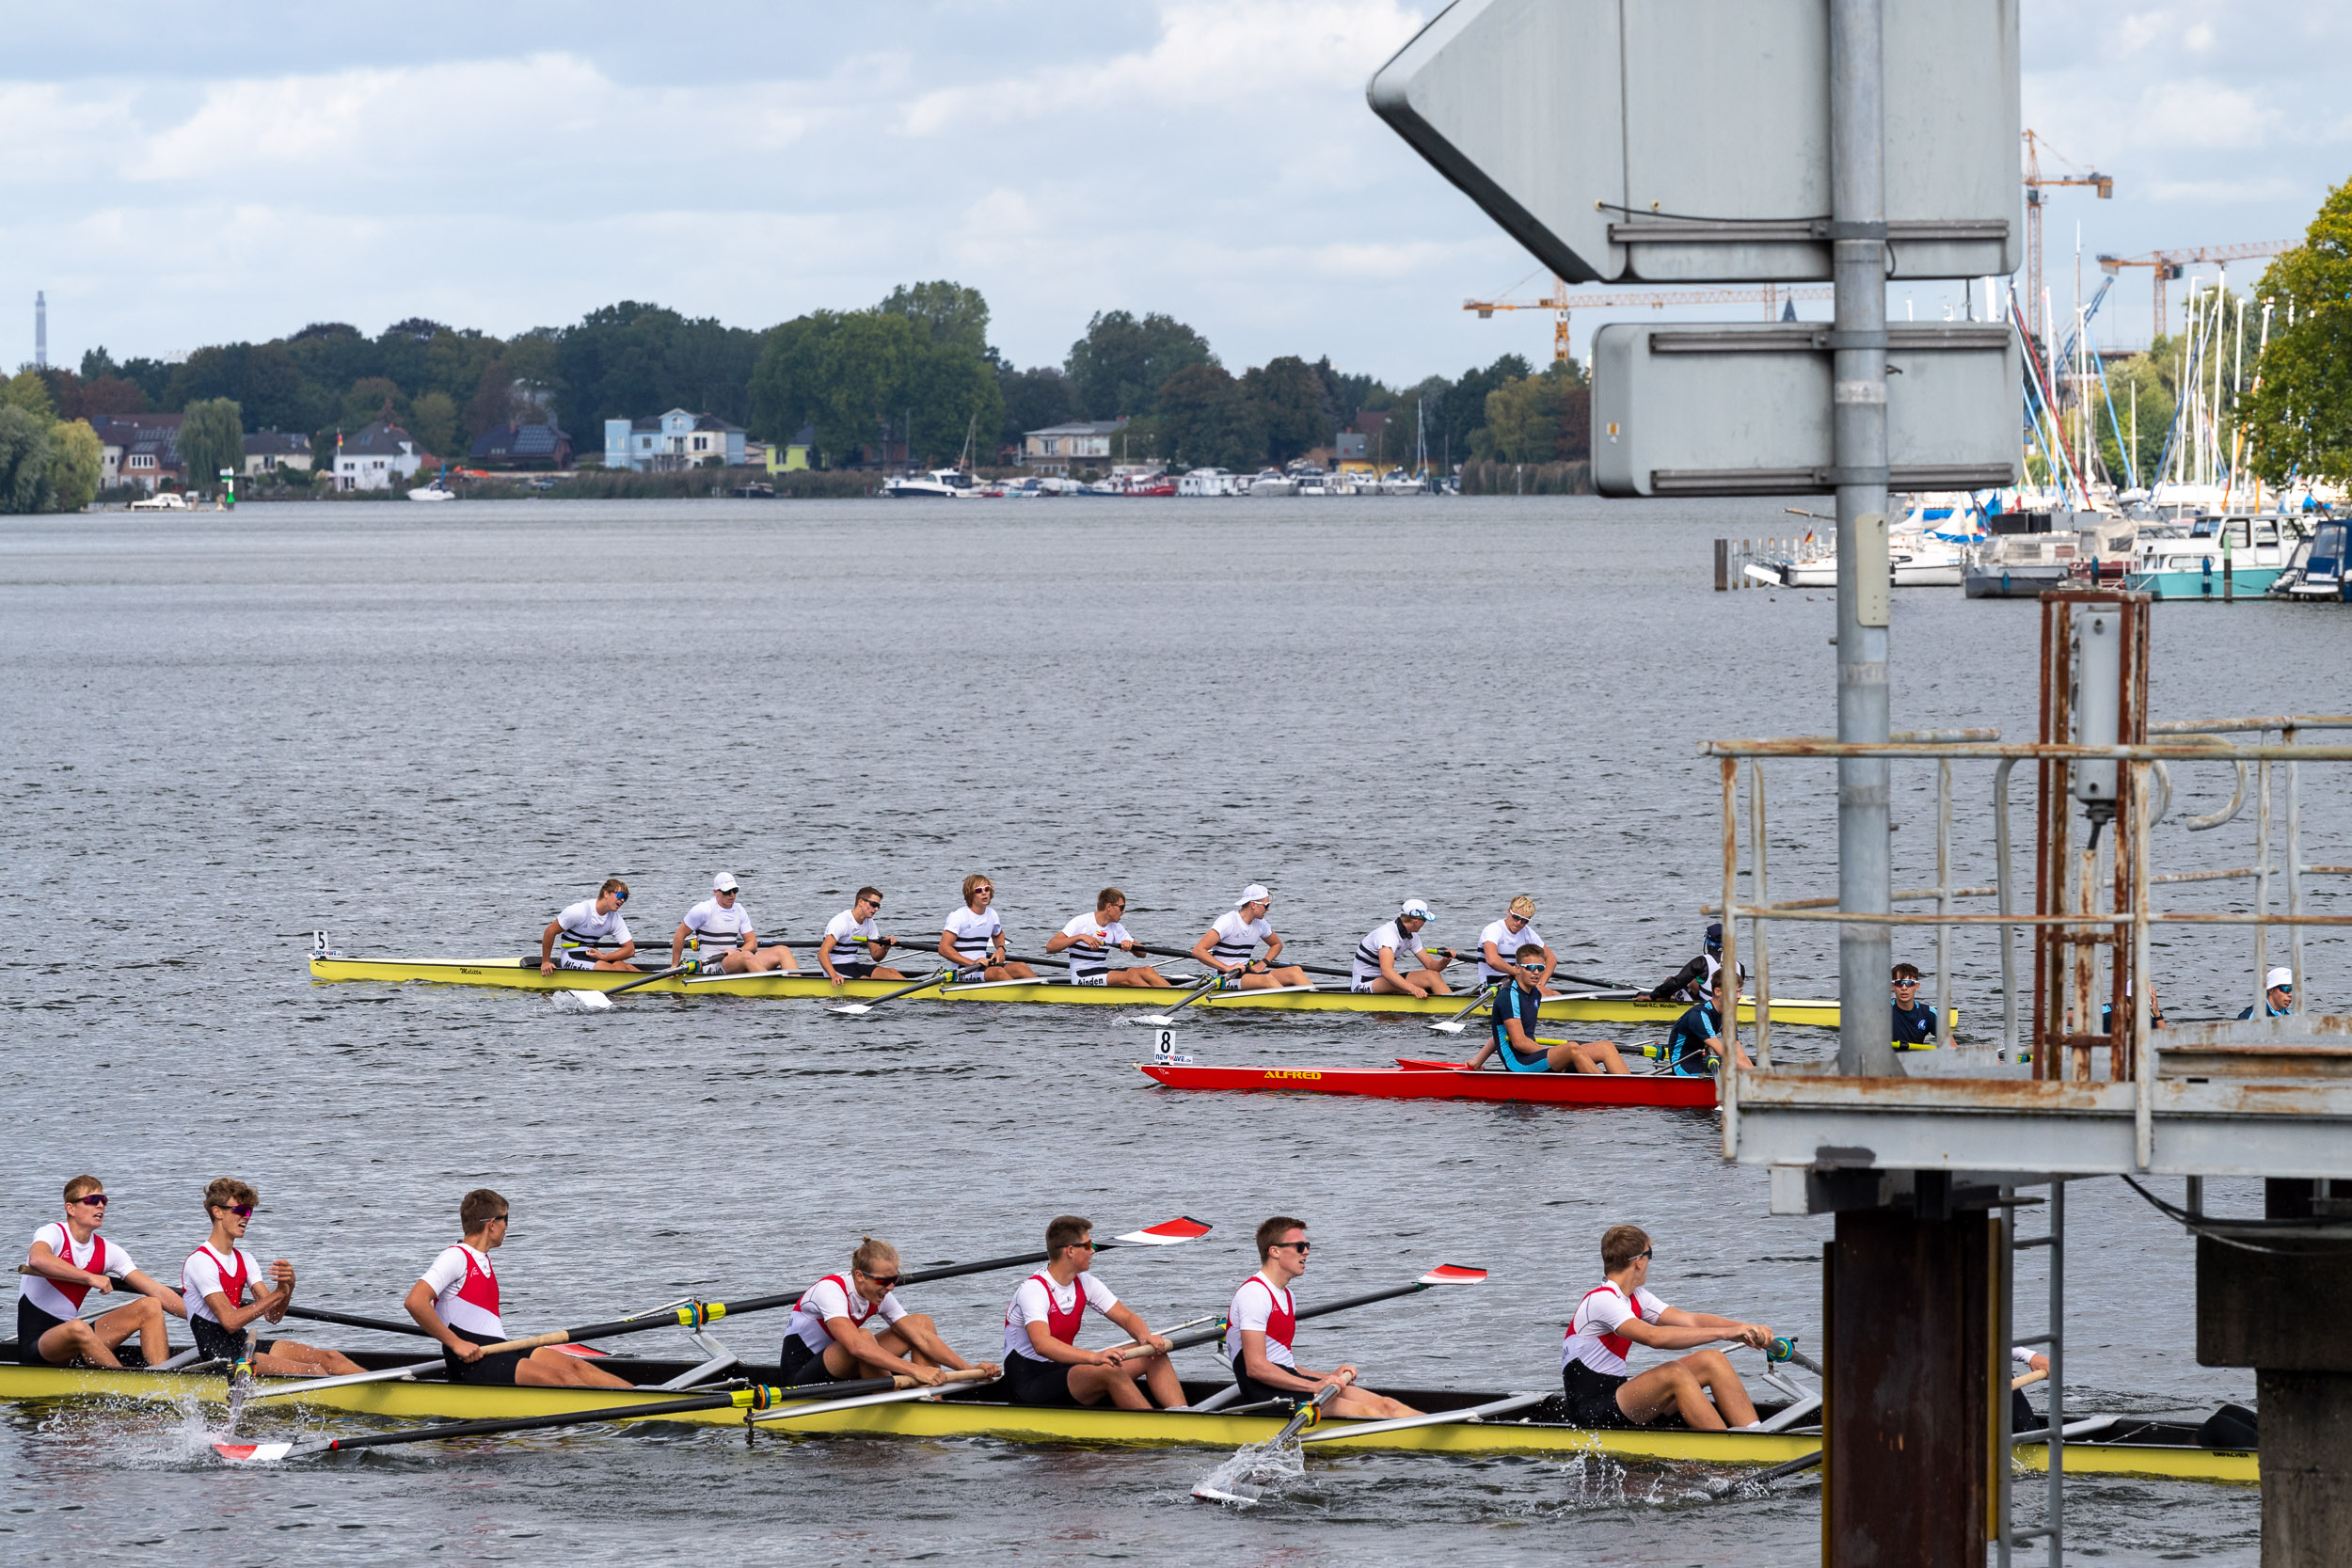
x=978 y=879
x=871 y=1251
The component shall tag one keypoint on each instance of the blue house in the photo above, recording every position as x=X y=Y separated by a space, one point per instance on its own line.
x=674 y=441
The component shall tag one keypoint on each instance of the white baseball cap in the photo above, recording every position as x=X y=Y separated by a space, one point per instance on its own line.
x=2277 y=979
x=723 y=883
x=1413 y=907
x=1254 y=893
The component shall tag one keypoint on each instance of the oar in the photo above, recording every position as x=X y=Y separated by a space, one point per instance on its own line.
x=1161 y=1019
x=1717 y=1490
x=352 y=1320
x=1172 y=1329
x=1307 y=1415
x=1279 y=963
x=757 y=1397
x=859 y=1009
x=1452 y=1024
x=597 y=1001
x=315 y=1385
x=1444 y=1273
x=974 y=1375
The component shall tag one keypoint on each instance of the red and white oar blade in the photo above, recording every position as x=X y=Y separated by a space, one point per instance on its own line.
x=1169 y=1233
x=586 y=1353
x=1452 y=1274
x=252 y=1453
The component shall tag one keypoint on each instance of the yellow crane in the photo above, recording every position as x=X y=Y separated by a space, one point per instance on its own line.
x=1560 y=302
x=2167 y=265
x=2036 y=182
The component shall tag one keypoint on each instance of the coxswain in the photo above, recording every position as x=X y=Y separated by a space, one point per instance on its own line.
x=573 y=939
x=972 y=939
x=456 y=1301
x=1260 y=1322
x=1915 y=1022
x=1375 y=968
x=1696 y=981
x=851 y=948
x=1513 y=1036
x=827 y=1340
x=68 y=1260
x=1500 y=943
x=1695 y=1049
x=218 y=1278
x=1043 y=1364
x=1089 y=940
x=720 y=928
x=1622 y=1312
x=2278 y=995
x=1230 y=946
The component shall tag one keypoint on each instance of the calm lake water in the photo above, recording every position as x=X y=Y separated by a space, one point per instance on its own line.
x=426 y=729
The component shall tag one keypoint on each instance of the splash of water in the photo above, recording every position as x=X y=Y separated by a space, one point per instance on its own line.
x=1254 y=1470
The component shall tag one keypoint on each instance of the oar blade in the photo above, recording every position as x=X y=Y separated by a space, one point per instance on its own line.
x=253 y=1453
x=590 y=1001
x=1167 y=1233
x=1449 y=1026
x=1454 y=1274
x=1246 y=1494
x=852 y=1010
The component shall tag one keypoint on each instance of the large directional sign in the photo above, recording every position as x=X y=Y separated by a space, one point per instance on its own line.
x=1745 y=408
x=1687 y=141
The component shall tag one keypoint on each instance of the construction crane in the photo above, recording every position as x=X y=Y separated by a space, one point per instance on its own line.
x=1561 y=302
x=2036 y=182
x=2167 y=265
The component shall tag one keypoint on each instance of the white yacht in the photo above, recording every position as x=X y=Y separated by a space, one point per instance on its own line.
x=939 y=484
x=433 y=490
x=1273 y=482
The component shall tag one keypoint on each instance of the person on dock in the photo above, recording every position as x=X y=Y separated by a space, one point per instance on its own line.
x=2155 y=1010
x=574 y=938
x=220 y=1275
x=1695 y=1048
x=68 y=1260
x=827 y=1340
x=972 y=939
x=1088 y=940
x=1602 y=1390
x=1513 y=1034
x=1043 y=1364
x=1915 y=1022
x=720 y=928
x=2278 y=995
x=456 y=1301
x=1696 y=980
x=852 y=948
x=1499 y=945
x=1262 y=1321
x=1378 y=969
x=1230 y=946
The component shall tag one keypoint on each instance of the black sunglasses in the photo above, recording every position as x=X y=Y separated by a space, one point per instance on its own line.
x=96 y=1200
x=1302 y=1247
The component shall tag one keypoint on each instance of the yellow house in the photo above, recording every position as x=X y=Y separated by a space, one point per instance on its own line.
x=785 y=456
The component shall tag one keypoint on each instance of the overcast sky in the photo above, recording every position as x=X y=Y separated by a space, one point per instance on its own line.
x=195 y=172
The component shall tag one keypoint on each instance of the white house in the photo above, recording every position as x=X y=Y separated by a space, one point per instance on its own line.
x=369 y=460
x=674 y=441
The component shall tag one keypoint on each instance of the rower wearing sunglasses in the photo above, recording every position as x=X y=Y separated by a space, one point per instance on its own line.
x=852 y=948
x=721 y=929
x=576 y=937
x=1260 y=1321
x=972 y=939
x=1498 y=946
x=1043 y=1364
x=1602 y=1390
x=827 y=1340
x=67 y=1261
x=1230 y=946
x=219 y=1277
x=1379 y=965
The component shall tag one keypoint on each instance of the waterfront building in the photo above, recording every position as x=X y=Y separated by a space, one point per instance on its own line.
x=1059 y=448
x=671 y=441
x=378 y=454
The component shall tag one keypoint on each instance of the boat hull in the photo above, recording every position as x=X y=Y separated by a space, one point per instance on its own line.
x=1448 y=1082
x=2244 y=582
x=523 y=974
x=977 y=1416
x=2013 y=582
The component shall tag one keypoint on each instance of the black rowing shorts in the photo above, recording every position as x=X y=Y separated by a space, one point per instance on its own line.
x=1592 y=1396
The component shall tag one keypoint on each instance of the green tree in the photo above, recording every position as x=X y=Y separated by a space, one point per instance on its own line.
x=433 y=421
x=861 y=371
x=1212 y=420
x=951 y=395
x=1528 y=419
x=1292 y=402
x=76 y=461
x=374 y=398
x=949 y=313
x=212 y=438
x=1033 y=400
x=783 y=384
x=2141 y=388
x=23 y=460
x=1121 y=363
x=2299 y=420
x=28 y=391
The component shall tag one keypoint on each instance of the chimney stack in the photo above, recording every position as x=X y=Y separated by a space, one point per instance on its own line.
x=41 y=329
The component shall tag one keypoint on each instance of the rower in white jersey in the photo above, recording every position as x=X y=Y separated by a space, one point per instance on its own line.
x=68 y=1260
x=1498 y=943
x=1260 y=1321
x=720 y=928
x=827 y=1340
x=1602 y=1390
x=1379 y=967
x=1230 y=946
x=456 y=1301
x=579 y=938
x=852 y=948
x=1088 y=940
x=1043 y=1364
x=972 y=939
x=220 y=1274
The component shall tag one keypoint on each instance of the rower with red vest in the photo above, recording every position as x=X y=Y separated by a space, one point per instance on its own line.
x=1621 y=1312
x=1262 y=1321
x=220 y=1274
x=68 y=1260
x=458 y=1303
x=828 y=1341
x=1043 y=1364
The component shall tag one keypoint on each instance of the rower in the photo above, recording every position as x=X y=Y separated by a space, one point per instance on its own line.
x=1230 y=946
x=1500 y=943
x=721 y=929
x=1622 y=1312
x=1914 y=1022
x=1695 y=1048
x=1513 y=1037
x=582 y=926
x=2278 y=995
x=1260 y=1321
x=1089 y=941
x=1696 y=980
x=218 y=1276
x=68 y=1261
x=1043 y=1364
x=456 y=1301
x=972 y=939
x=1375 y=968
x=847 y=934
x=827 y=1340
